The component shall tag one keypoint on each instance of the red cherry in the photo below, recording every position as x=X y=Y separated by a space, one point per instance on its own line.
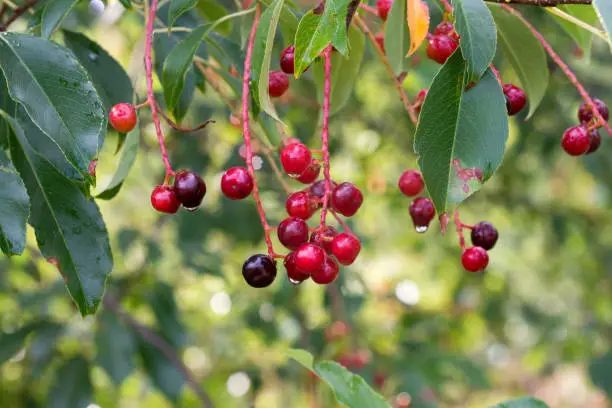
x=346 y=248
x=445 y=28
x=324 y=238
x=441 y=47
x=295 y=159
x=383 y=7
x=595 y=141
x=317 y=190
x=189 y=188
x=292 y=232
x=328 y=273
x=287 y=60
x=576 y=140
x=411 y=183
x=163 y=199
x=310 y=174
x=309 y=258
x=515 y=99
x=475 y=259
x=293 y=273
x=585 y=114
x=346 y=199
x=123 y=117
x=278 y=84
x=422 y=211
x=236 y=183
x=300 y=204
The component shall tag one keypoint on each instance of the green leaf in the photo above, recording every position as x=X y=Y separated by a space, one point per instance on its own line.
x=268 y=125
x=316 y=32
x=167 y=315
x=289 y=21
x=397 y=37
x=583 y=38
x=72 y=387
x=522 y=403
x=53 y=15
x=162 y=372
x=57 y=94
x=475 y=25
x=116 y=347
x=14 y=208
x=599 y=371
x=178 y=8
x=461 y=135
x=7 y=105
x=230 y=50
x=604 y=12
x=69 y=227
x=110 y=79
x=344 y=72
x=212 y=11
x=525 y=53
x=126 y=3
x=303 y=357
x=129 y=150
x=11 y=343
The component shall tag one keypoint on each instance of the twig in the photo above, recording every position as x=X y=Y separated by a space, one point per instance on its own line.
x=369 y=9
x=541 y=3
x=325 y=133
x=17 y=13
x=175 y=126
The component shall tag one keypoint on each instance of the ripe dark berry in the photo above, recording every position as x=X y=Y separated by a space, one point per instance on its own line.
x=295 y=159
x=484 y=235
x=300 y=204
x=346 y=199
x=411 y=183
x=346 y=248
x=123 y=117
x=419 y=99
x=236 y=183
x=309 y=258
x=595 y=141
x=310 y=174
x=475 y=259
x=189 y=189
x=515 y=99
x=441 y=47
x=293 y=273
x=383 y=7
x=259 y=271
x=292 y=232
x=380 y=40
x=324 y=238
x=585 y=114
x=328 y=273
x=278 y=84
x=317 y=190
x=287 y=59
x=422 y=211
x=164 y=200
x=576 y=140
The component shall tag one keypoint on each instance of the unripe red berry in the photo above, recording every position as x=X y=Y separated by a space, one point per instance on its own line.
x=346 y=199
x=310 y=174
x=295 y=159
x=419 y=99
x=383 y=7
x=328 y=273
x=189 y=188
x=259 y=271
x=475 y=259
x=123 y=117
x=484 y=235
x=292 y=232
x=576 y=140
x=380 y=40
x=163 y=199
x=422 y=211
x=595 y=141
x=346 y=248
x=293 y=273
x=337 y=330
x=441 y=47
x=278 y=84
x=309 y=258
x=236 y=183
x=585 y=114
x=515 y=99
x=411 y=183
x=324 y=238
x=300 y=204
x=287 y=60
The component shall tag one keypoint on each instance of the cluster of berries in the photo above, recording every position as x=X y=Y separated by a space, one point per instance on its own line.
x=585 y=138
x=443 y=43
x=484 y=236
x=279 y=80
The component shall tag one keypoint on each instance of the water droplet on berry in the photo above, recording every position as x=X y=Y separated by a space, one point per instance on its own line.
x=294 y=282
x=421 y=228
x=192 y=209
x=257 y=162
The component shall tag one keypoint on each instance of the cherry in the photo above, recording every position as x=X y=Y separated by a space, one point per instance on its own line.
x=317 y=190
x=236 y=183
x=422 y=211
x=515 y=99
x=419 y=99
x=293 y=273
x=299 y=204
x=411 y=183
x=337 y=330
x=164 y=200
x=295 y=159
x=190 y=189
x=346 y=199
x=484 y=235
x=310 y=174
x=328 y=273
x=380 y=40
x=309 y=258
x=441 y=47
x=475 y=259
x=383 y=7
x=324 y=238
x=585 y=114
x=345 y=248
x=123 y=117
x=287 y=60
x=278 y=84
x=292 y=232
x=595 y=141
x=259 y=270
x=576 y=140
x=446 y=28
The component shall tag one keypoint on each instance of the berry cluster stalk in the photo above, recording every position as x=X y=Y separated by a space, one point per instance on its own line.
x=325 y=133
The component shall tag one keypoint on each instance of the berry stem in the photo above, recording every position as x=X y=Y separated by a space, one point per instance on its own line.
x=18 y=12
x=341 y=222
x=459 y=226
x=276 y=170
x=325 y=134
x=368 y=9
x=564 y=67
x=447 y=6
x=497 y=75
x=142 y=105
x=178 y=127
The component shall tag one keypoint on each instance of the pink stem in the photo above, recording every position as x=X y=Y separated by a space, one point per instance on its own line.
x=325 y=133
x=497 y=75
x=341 y=222
x=459 y=225
x=150 y=96
x=369 y=9
x=568 y=72
x=447 y=6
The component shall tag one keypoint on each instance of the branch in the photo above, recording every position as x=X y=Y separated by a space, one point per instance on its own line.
x=325 y=133
x=17 y=13
x=541 y=3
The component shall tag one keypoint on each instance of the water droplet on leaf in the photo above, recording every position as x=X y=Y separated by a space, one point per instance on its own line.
x=92 y=56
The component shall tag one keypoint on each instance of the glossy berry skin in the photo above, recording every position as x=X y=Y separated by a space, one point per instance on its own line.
x=595 y=141
x=324 y=238
x=328 y=273
x=419 y=99
x=484 y=235
x=309 y=258
x=475 y=259
x=164 y=200
x=236 y=183
x=445 y=28
x=585 y=114
x=317 y=190
x=346 y=199
x=278 y=84
x=383 y=7
x=411 y=183
x=189 y=188
x=287 y=60
x=293 y=273
x=122 y=117
x=259 y=271
x=310 y=174
x=295 y=159
x=576 y=141
x=515 y=99
x=346 y=248
x=422 y=211
x=292 y=232
x=441 y=47
x=300 y=204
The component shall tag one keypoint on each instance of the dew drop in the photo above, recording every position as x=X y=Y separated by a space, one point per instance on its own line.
x=192 y=209
x=294 y=282
x=421 y=228
x=92 y=56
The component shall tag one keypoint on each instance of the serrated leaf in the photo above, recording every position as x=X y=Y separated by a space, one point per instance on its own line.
x=397 y=37
x=116 y=347
x=474 y=23
x=72 y=387
x=11 y=343
x=162 y=372
x=418 y=23
x=582 y=37
x=57 y=94
x=54 y=13
x=69 y=228
x=604 y=12
x=129 y=150
x=461 y=135
x=14 y=208
x=167 y=315
x=178 y=8
x=525 y=53
x=522 y=403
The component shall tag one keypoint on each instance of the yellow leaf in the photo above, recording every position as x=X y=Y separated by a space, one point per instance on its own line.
x=418 y=23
